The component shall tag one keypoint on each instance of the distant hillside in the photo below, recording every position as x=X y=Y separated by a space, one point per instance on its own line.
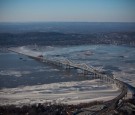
x=67 y=27
x=55 y=38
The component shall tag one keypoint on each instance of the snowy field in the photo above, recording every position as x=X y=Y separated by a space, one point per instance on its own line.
x=63 y=92
x=118 y=60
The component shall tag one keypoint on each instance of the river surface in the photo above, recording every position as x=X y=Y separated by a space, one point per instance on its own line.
x=19 y=70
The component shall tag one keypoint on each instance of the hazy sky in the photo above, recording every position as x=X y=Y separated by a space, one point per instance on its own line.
x=67 y=10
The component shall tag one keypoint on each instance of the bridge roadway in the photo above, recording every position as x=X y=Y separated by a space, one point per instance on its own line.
x=115 y=103
x=109 y=105
x=84 y=67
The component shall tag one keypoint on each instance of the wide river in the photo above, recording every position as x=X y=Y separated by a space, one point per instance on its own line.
x=18 y=70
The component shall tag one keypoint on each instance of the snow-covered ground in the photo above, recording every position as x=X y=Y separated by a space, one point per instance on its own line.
x=63 y=92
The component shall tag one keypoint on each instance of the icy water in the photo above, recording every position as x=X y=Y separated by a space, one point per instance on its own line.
x=18 y=70
x=116 y=60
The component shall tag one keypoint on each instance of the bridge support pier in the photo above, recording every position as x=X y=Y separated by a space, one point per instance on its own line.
x=67 y=66
x=85 y=72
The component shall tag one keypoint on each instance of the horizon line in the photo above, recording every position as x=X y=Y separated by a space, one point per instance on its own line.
x=64 y=22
